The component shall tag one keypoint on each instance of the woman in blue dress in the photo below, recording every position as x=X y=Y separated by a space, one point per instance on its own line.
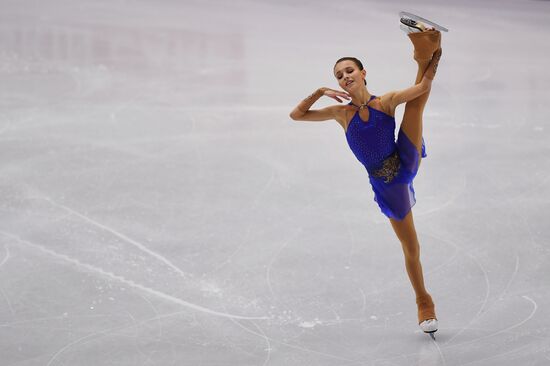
x=369 y=125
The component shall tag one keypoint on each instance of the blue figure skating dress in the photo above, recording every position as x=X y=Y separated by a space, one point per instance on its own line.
x=392 y=165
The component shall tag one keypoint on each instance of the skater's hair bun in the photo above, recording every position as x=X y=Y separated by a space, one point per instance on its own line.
x=355 y=61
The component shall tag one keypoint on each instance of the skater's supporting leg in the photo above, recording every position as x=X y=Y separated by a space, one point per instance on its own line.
x=406 y=233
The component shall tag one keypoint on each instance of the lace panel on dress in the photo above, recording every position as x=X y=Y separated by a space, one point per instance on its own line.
x=389 y=169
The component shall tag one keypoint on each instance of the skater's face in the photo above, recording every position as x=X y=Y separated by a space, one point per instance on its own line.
x=348 y=75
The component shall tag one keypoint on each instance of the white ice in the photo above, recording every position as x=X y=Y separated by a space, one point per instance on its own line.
x=159 y=207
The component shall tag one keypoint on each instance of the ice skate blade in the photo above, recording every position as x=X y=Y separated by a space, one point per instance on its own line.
x=431 y=333
x=404 y=14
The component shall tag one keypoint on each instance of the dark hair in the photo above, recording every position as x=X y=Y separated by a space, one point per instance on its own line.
x=355 y=61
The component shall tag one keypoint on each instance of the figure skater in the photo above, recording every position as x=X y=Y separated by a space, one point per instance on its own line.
x=369 y=125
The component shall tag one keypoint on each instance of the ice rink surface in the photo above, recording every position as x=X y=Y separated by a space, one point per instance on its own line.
x=159 y=207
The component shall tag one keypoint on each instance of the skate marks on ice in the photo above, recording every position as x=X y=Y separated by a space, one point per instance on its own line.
x=249 y=226
x=487 y=293
x=151 y=291
x=125 y=238
x=424 y=354
x=485 y=301
x=110 y=275
x=502 y=301
x=270 y=340
x=106 y=332
x=485 y=306
x=6 y=256
x=73 y=258
x=274 y=259
x=510 y=328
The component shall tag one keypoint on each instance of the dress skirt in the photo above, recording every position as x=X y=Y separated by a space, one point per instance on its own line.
x=392 y=182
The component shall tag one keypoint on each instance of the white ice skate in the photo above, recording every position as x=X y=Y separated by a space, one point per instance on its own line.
x=429 y=326
x=411 y=23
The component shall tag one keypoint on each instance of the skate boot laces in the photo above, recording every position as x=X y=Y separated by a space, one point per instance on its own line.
x=409 y=25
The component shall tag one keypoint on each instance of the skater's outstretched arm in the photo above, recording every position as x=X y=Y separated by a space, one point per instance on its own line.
x=302 y=111
x=393 y=99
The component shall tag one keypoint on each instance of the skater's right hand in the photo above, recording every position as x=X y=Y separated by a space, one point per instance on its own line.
x=335 y=94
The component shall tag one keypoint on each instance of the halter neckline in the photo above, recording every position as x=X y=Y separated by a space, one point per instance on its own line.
x=363 y=105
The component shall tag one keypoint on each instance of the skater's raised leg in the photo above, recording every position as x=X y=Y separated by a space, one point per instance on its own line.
x=426 y=44
x=427 y=51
